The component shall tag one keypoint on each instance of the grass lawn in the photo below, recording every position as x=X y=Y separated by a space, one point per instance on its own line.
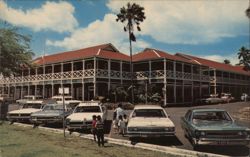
x=16 y=141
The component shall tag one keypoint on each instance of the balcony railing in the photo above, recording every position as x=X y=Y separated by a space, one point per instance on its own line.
x=103 y=73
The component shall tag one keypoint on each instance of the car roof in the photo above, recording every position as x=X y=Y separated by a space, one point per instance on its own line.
x=147 y=107
x=206 y=109
x=89 y=103
x=34 y=102
x=60 y=96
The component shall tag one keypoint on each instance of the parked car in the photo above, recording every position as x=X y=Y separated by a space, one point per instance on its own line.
x=23 y=114
x=227 y=97
x=51 y=113
x=245 y=97
x=5 y=97
x=28 y=98
x=81 y=118
x=149 y=121
x=206 y=126
x=210 y=99
x=67 y=100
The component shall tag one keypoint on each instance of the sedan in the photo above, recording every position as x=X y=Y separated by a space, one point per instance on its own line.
x=206 y=126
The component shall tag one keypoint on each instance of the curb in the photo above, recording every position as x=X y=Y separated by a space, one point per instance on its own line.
x=127 y=143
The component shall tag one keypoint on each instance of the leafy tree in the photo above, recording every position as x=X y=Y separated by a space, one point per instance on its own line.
x=244 y=57
x=15 y=52
x=226 y=61
x=133 y=15
x=248 y=12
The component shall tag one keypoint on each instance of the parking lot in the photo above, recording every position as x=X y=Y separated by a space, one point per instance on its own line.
x=179 y=140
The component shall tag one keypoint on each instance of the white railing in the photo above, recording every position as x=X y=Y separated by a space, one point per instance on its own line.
x=102 y=73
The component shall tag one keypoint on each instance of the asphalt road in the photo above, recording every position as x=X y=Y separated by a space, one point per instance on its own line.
x=180 y=141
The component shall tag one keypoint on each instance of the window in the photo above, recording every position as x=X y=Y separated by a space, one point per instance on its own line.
x=149 y=113
x=87 y=109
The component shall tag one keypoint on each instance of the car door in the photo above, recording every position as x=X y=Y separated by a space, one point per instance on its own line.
x=185 y=123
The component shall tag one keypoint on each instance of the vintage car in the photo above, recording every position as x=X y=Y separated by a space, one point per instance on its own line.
x=149 y=121
x=23 y=114
x=206 y=126
x=210 y=99
x=67 y=100
x=81 y=118
x=28 y=98
x=227 y=97
x=5 y=97
x=51 y=113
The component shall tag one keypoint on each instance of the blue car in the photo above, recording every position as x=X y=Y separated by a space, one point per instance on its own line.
x=213 y=127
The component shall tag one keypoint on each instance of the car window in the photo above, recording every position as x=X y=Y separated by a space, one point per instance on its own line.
x=87 y=109
x=211 y=116
x=188 y=115
x=149 y=113
x=32 y=105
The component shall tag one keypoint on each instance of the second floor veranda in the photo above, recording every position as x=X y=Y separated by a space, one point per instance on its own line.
x=111 y=69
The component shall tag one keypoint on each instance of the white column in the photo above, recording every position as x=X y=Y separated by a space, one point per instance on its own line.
x=43 y=81
x=62 y=75
x=150 y=71
x=174 y=73
x=72 y=89
x=121 y=72
x=165 y=84
x=109 y=71
x=52 y=73
x=83 y=68
x=29 y=84
x=94 y=81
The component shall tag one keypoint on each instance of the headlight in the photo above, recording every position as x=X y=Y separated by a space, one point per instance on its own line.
x=197 y=133
x=203 y=133
x=244 y=133
x=132 y=129
x=170 y=129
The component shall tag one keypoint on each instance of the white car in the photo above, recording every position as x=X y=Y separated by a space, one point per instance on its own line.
x=81 y=118
x=23 y=114
x=149 y=121
x=28 y=98
x=67 y=100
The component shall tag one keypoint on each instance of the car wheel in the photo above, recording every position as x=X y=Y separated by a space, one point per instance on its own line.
x=196 y=147
x=35 y=125
x=70 y=131
x=133 y=140
x=11 y=122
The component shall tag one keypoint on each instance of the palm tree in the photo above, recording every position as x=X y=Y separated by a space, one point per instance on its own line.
x=133 y=14
x=244 y=57
x=248 y=11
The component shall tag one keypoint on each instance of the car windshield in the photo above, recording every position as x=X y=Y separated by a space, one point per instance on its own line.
x=28 y=97
x=211 y=116
x=149 y=113
x=32 y=105
x=53 y=107
x=87 y=109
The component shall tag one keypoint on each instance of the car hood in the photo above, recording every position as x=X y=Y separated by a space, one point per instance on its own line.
x=218 y=125
x=26 y=110
x=150 y=122
x=83 y=116
x=48 y=113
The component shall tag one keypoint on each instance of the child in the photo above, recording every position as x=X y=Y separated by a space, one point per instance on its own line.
x=126 y=121
x=100 y=131
x=121 y=125
x=93 y=129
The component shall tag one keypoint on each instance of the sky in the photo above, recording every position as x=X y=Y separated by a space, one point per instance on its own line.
x=212 y=29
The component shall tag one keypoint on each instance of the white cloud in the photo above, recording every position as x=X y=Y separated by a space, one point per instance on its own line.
x=51 y=16
x=233 y=58
x=191 y=22
x=99 y=32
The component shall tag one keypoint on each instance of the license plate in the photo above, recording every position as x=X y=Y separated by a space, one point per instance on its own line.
x=222 y=142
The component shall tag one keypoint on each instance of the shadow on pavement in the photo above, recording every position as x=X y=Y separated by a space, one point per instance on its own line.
x=225 y=150
x=163 y=141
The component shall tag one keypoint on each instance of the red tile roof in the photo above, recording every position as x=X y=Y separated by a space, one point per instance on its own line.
x=149 y=54
x=216 y=65
x=102 y=51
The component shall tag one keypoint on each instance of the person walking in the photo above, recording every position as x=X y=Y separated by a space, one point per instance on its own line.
x=100 y=131
x=93 y=129
x=121 y=125
x=119 y=112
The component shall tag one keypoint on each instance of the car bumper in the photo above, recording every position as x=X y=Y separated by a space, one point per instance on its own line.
x=46 y=121
x=18 y=118
x=150 y=134
x=208 y=141
x=76 y=127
